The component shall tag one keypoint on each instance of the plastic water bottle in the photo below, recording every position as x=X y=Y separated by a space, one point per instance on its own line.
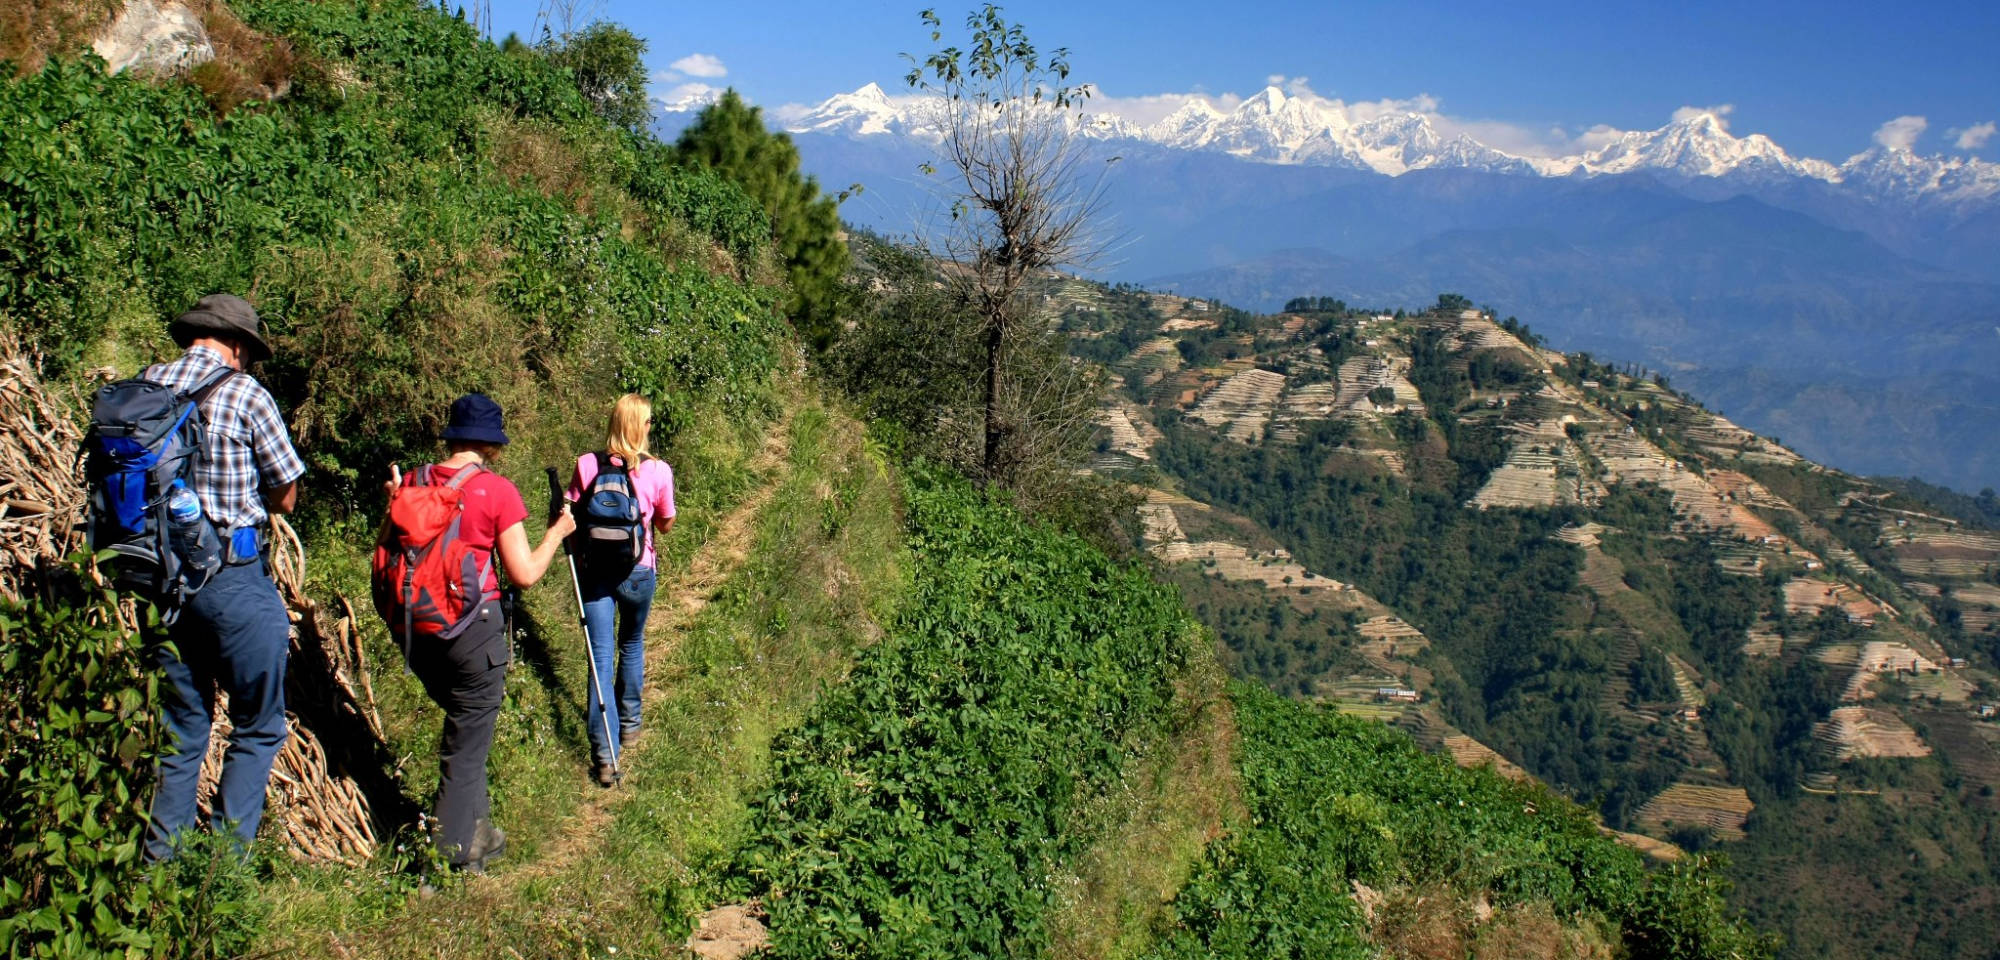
x=182 y=505
x=194 y=537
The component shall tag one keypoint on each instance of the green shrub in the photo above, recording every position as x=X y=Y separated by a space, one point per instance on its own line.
x=79 y=732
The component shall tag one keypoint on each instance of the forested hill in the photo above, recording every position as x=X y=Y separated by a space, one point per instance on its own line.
x=1566 y=567
x=887 y=713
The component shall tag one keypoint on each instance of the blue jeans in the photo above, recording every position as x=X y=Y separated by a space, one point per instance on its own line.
x=614 y=617
x=234 y=633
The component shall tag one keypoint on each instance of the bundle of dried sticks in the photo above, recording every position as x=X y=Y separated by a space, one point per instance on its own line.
x=41 y=479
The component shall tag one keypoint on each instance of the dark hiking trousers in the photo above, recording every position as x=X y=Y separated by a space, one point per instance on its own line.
x=234 y=633
x=467 y=676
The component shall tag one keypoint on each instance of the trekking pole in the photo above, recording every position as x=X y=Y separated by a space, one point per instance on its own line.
x=583 y=623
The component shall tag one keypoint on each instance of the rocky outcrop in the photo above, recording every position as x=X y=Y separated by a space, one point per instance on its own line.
x=160 y=38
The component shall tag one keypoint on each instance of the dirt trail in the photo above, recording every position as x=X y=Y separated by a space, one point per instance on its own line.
x=679 y=601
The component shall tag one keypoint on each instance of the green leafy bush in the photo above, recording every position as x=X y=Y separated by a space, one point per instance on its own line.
x=79 y=733
x=920 y=809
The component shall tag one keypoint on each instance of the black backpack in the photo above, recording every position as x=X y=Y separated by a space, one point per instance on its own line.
x=610 y=527
x=144 y=440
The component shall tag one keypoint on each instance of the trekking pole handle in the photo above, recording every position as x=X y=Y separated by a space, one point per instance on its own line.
x=555 y=494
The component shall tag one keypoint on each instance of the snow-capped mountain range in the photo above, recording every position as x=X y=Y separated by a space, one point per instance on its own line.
x=1272 y=127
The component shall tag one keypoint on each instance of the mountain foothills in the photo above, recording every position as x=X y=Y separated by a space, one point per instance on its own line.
x=888 y=713
x=1570 y=571
x=1846 y=307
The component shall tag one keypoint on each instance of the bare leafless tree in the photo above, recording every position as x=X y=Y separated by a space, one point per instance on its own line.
x=1024 y=199
x=558 y=19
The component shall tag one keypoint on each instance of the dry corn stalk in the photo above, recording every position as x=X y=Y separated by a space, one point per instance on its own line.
x=41 y=479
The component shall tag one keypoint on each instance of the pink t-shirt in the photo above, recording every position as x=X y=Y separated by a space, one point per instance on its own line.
x=652 y=483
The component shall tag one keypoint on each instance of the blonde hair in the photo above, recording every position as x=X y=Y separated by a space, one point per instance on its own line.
x=631 y=421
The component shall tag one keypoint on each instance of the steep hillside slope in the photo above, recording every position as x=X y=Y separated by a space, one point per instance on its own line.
x=1434 y=521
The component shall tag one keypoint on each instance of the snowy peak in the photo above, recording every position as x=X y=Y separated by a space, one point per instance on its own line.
x=1190 y=127
x=1692 y=146
x=1898 y=174
x=865 y=112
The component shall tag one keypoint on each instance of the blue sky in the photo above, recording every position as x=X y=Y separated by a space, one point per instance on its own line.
x=1819 y=78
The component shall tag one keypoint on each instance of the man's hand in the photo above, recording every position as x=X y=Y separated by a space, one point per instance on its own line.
x=395 y=480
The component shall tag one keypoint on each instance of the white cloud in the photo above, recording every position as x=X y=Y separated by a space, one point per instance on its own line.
x=1275 y=80
x=1974 y=137
x=1901 y=133
x=706 y=66
x=1720 y=111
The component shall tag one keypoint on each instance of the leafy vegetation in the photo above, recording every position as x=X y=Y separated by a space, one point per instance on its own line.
x=381 y=226
x=78 y=733
x=920 y=808
x=1336 y=802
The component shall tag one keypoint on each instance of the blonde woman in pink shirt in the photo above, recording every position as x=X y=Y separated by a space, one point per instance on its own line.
x=624 y=497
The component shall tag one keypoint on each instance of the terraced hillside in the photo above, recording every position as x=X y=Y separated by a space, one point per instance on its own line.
x=1570 y=571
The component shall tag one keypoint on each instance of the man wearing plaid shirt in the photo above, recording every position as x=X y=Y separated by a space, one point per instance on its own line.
x=235 y=632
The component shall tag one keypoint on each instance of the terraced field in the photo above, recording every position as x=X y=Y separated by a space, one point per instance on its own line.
x=1151 y=361
x=1934 y=552
x=1306 y=404
x=1851 y=732
x=1180 y=324
x=1274 y=569
x=1714 y=434
x=1762 y=641
x=1543 y=469
x=1129 y=436
x=1969 y=745
x=1467 y=752
x=1978 y=605
x=1359 y=375
x=1385 y=637
x=1241 y=406
x=1721 y=810
x=1702 y=507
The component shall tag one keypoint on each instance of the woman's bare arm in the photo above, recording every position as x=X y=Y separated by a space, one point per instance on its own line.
x=525 y=565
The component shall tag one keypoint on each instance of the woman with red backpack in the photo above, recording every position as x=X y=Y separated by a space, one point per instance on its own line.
x=624 y=495
x=437 y=582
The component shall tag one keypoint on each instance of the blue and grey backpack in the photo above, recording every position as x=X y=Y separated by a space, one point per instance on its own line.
x=144 y=440
x=610 y=527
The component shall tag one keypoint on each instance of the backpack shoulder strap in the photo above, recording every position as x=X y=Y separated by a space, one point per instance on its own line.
x=199 y=395
x=604 y=464
x=458 y=479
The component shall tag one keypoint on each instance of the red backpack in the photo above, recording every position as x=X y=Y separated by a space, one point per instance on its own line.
x=426 y=581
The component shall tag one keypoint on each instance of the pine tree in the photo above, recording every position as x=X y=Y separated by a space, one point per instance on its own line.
x=730 y=137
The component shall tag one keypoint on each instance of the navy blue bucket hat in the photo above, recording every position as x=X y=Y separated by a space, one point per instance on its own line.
x=475 y=417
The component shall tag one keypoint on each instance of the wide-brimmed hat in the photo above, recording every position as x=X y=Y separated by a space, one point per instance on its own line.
x=225 y=314
x=477 y=418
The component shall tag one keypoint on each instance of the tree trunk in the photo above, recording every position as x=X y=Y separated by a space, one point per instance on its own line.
x=994 y=345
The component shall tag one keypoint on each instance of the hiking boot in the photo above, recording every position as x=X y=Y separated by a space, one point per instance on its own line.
x=489 y=843
x=627 y=736
x=606 y=777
